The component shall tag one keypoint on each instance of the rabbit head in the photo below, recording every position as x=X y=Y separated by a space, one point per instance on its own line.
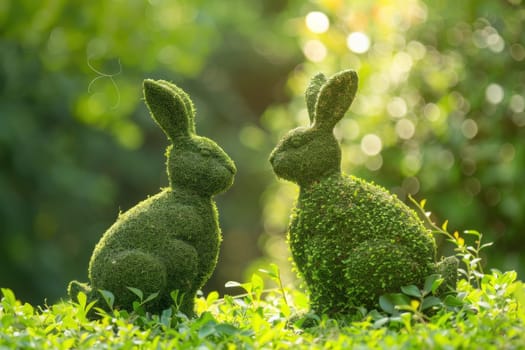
x=307 y=154
x=193 y=162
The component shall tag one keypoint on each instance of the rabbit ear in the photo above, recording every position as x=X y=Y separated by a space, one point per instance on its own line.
x=312 y=92
x=170 y=107
x=334 y=99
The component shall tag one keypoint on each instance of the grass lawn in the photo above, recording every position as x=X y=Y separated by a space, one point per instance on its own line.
x=486 y=312
x=491 y=316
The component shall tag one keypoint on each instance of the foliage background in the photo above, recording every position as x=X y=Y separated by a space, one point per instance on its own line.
x=439 y=115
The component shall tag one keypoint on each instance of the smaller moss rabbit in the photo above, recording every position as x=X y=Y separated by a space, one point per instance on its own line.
x=351 y=241
x=169 y=241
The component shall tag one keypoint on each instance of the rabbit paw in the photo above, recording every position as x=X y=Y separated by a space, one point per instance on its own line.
x=448 y=269
x=131 y=268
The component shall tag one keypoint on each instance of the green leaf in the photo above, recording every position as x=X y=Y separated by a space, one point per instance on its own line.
x=429 y=302
x=388 y=302
x=444 y=226
x=272 y=271
x=207 y=329
x=381 y=322
x=137 y=307
x=486 y=245
x=226 y=329
x=137 y=292
x=412 y=291
x=474 y=262
x=90 y=305
x=257 y=282
x=472 y=232
x=233 y=284
x=122 y=314
x=212 y=297
x=9 y=297
x=165 y=317
x=108 y=297
x=432 y=283
x=453 y=301
x=82 y=300
x=150 y=297
x=177 y=297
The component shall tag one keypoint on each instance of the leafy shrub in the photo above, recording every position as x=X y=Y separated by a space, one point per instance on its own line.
x=487 y=312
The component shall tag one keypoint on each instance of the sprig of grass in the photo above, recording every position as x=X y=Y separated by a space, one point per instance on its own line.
x=476 y=291
x=487 y=311
x=469 y=255
x=491 y=316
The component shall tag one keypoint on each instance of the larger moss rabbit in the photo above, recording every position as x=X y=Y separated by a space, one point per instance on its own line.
x=169 y=241
x=351 y=241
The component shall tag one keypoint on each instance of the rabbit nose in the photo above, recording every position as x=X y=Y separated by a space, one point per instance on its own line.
x=229 y=165
x=231 y=168
x=272 y=157
x=275 y=157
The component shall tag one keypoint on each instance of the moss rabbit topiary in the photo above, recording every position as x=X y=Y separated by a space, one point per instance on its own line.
x=351 y=241
x=169 y=241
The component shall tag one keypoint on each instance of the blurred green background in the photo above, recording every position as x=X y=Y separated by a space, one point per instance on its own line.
x=440 y=114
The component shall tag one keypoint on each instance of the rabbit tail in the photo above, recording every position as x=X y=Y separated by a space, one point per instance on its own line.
x=448 y=269
x=76 y=287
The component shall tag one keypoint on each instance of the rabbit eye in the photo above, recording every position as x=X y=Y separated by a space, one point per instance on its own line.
x=295 y=143
x=205 y=152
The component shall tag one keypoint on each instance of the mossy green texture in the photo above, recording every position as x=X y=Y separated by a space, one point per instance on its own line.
x=351 y=241
x=171 y=240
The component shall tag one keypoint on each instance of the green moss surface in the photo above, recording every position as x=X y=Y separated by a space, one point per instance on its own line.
x=351 y=240
x=171 y=240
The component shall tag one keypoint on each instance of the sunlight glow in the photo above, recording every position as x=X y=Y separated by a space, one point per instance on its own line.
x=494 y=93
x=517 y=52
x=374 y=163
x=317 y=22
x=507 y=152
x=411 y=164
x=358 y=42
x=314 y=50
x=432 y=112
x=488 y=37
x=371 y=144
x=469 y=128
x=402 y=62
x=405 y=129
x=411 y=185
x=517 y=103
x=397 y=107
x=445 y=159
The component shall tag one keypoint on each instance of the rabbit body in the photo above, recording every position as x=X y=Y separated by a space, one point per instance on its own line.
x=350 y=240
x=353 y=241
x=170 y=241
x=167 y=242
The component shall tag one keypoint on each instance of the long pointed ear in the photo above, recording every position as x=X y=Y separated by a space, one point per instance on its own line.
x=170 y=107
x=312 y=92
x=335 y=97
x=188 y=104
